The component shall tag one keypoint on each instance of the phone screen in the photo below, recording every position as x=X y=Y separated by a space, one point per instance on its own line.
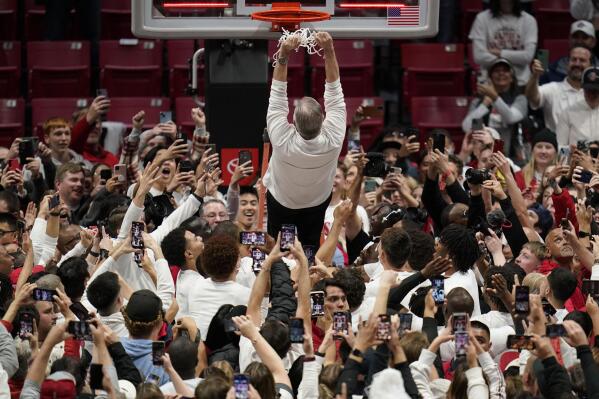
x=40 y=294
x=405 y=322
x=157 y=352
x=310 y=252
x=460 y=322
x=438 y=284
x=96 y=375
x=340 y=324
x=439 y=142
x=519 y=342
x=137 y=240
x=369 y=185
x=590 y=287
x=317 y=299
x=25 y=325
x=477 y=124
x=548 y=308
x=185 y=166
x=353 y=145
x=80 y=330
x=543 y=57
x=244 y=157
x=383 y=330
x=258 y=257
x=522 y=303
x=26 y=150
x=287 y=236
x=296 y=331
x=105 y=174
x=242 y=386
x=461 y=342
x=252 y=238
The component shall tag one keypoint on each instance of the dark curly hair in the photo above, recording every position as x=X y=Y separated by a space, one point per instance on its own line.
x=461 y=245
x=220 y=257
x=354 y=286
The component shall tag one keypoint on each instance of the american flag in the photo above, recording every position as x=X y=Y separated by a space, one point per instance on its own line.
x=403 y=16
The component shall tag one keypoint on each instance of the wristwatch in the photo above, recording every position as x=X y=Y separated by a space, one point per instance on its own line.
x=583 y=234
x=282 y=60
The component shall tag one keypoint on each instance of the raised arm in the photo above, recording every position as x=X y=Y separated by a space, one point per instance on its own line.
x=280 y=72
x=331 y=67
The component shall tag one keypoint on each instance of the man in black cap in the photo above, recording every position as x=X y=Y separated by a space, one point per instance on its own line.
x=144 y=319
x=580 y=121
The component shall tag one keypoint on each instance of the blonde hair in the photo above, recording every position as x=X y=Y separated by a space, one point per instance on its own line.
x=534 y=281
x=528 y=171
x=226 y=368
x=538 y=249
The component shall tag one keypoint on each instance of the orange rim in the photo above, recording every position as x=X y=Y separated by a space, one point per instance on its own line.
x=289 y=13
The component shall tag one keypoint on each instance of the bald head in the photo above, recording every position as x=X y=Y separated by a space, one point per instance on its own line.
x=308 y=118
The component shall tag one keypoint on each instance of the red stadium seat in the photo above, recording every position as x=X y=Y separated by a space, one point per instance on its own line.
x=296 y=71
x=432 y=69
x=370 y=128
x=440 y=112
x=356 y=60
x=46 y=108
x=8 y=19
x=183 y=106
x=12 y=120
x=469 y=9
x=116 y=19
x=58 y=69
x=10 y=68
x=34 y=20
x=122 y=109
x=179 y=52
x=131 y=67
x=558 y=48
x=554 y=18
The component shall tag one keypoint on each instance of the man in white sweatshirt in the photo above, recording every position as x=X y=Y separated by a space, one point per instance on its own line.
x=304 y=156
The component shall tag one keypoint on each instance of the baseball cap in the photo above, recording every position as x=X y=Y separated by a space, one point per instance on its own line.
x=144 y=306
x=499 y=61
x=590 y=78
x=582 y=26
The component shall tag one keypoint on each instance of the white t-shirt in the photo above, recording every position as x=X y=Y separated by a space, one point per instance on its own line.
x=169 y=388
x=247 y=354
x=186 y=281
x=328 y=217
x=246 y=275
x=208 y=296
x=468 y=282
x=362 y=313
x=577 y=122
x=501 y=325
x=554 y=98
x=516 y=37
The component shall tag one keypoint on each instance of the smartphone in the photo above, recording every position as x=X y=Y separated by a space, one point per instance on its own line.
x=96 y=375
x=105 y=174
x=181 y=136
x=564 y=156
x=439 y=142
x=520 y=342
x=25 y=325
x=548 y=308
x=383 y=329
x=353 y=145
x=317 y=300
x=585 y=176
x=396 y=170
x=244 y=157
x=138 y=257
x=26 y=150
x=242 y=386
x=296 y=330
x=40 y=294
x=54 y=201
x=258 y=257
x=564 y=224
x=287 y=236
x=461 y=343
x=460 y=322
x=477 y=124
x=556 y=330
x=498 y=146
x=590 y=287
x=252 y=238
x=543 y=57
x=120 y=170
x=230 y=326
x=405 y=323
x=211 y=166
x=340 y=324
x=137 y=240
x=594 y=151
x=369 y=185
x=80 y=311
x=310 y=252
x=80 y=330
x=438 y=284
x=373 y=111
x=101 y=93
x=157 y=352
x=522 y=303
x=166 y=116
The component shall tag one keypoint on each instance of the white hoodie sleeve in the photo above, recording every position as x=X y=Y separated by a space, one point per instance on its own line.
x=494 y=376
x=77 y=250
x=477 y=388
x=421 y=373
x=43 y=245
x=308 y=388
x=175 y=219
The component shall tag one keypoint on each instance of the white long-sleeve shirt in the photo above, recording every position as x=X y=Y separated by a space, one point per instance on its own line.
x=43 y=245
x=301 y=172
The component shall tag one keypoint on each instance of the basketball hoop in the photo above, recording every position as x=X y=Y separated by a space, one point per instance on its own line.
x=289 y=16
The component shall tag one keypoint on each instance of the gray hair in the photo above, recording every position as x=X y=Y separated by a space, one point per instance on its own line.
x=308 y=118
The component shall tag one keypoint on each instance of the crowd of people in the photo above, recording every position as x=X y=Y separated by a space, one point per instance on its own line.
x=422 y=269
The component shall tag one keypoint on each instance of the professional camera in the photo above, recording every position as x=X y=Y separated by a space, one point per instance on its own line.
x=477 y=176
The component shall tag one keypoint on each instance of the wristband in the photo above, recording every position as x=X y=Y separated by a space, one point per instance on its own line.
x=282 y=60
x=309 y=359
x=583 y=234
x=319 y=354
x=94 y=254
x=198 y=197
x=54 y=214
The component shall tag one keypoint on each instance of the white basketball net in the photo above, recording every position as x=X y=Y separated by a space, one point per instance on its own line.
x=307 y=40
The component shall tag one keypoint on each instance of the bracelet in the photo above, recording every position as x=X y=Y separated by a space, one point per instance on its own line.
x=319 y=354
x=583 y=234
x=282 y=60
x=94 y=254
x=54 y=214
x=198 y=197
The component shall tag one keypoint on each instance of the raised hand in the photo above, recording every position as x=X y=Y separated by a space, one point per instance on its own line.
x=324 y=40
x=100 y=106
x=198 y=117
x=138 y=120
x=292 y=43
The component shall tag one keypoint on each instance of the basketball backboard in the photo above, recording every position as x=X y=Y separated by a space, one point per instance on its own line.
x=228 y=19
